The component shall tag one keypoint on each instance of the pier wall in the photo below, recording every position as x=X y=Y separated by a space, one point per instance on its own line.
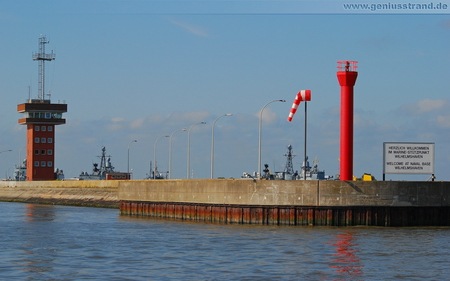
x=80 y=193
x=299 y=193
x=333 y=203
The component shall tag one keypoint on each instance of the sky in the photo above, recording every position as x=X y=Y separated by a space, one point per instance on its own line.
x=140 y=70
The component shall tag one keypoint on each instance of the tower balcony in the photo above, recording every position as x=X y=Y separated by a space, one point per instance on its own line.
x=41 y=107
x=55 y=121
x=42 y=112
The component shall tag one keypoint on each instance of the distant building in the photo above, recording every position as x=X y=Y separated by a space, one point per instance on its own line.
x=118 y=176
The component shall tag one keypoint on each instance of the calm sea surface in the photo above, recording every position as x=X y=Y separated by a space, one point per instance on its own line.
x=42 y=242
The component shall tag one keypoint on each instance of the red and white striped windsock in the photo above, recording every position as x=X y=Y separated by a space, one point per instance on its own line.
x=303 y=95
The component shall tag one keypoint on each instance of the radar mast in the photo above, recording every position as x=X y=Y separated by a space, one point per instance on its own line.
x=42 y=57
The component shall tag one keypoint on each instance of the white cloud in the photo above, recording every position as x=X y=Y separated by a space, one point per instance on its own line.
x=444 y=121
x=360 y=121
x=137 y=124
x=117 y=119
x=19 y=128
x=425 y=106
x=89 y=140
x=117 y=124
x=269 y=117
x=189 y=117
x=193 y=29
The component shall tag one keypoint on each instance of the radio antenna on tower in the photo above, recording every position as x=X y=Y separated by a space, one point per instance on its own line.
x=42 y=57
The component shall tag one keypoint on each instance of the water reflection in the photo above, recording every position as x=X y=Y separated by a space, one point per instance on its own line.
x=38 y=246
x=345 y=261
x=40 y=212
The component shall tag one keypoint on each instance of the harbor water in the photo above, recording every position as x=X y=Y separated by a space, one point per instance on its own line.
x=47 y=242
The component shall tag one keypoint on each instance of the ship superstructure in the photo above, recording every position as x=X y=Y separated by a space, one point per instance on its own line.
x=307 y=172
x=105 y=171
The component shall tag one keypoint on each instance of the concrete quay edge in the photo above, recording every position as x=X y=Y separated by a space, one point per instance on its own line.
x=230 y=192
x=76 y=193
x=288 y=193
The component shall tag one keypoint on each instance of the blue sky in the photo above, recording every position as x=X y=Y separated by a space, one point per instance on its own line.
x=134 y=70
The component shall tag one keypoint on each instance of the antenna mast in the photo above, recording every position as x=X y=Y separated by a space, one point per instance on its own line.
x=289 y=168
x=42 y=57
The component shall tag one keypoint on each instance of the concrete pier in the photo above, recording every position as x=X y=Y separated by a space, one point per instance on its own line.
x=332 y=203
x=77 y=193
x=247 y=201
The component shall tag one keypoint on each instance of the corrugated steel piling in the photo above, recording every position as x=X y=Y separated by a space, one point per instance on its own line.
x=292 y=215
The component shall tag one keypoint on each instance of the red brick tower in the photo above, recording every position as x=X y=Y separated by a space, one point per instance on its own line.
x=41 y=116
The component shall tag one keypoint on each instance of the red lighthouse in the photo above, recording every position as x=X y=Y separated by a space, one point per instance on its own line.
x=347 y=77
x=41 y=116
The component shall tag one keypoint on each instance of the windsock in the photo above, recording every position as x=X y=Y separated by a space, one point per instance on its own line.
x=303 y=95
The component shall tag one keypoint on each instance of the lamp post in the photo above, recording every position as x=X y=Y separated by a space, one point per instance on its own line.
x=189 y=150
x=170 y=152
x=19 y=167
x=6 y=173
x=154 y=156
x=212 y=144
x=20 y=156
x=5 y=151
x=128 y=163
x=260 y=135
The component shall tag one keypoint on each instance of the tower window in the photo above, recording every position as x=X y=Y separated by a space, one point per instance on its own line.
x=50 y=128
x=36 y=140
x=36 y=152
x=43 y=140
x=36 y=128
x=44 y=128
x=49 y=164
x=49 y=152
x=36 y=163
x=43 y=151
x=42 y=163
x=50 y=140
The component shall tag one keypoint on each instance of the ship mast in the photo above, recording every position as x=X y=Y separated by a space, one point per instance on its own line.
x=289 y=168
x=42 y=57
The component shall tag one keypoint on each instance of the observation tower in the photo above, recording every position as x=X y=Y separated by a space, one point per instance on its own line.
x=41 y=116
x=347 y=78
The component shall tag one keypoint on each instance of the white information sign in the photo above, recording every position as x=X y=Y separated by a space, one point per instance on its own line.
x=408 y=158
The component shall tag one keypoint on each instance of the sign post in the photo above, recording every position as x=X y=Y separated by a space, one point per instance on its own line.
x=408 y=158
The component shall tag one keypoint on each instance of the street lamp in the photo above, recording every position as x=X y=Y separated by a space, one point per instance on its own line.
x=20 y=156
x=212 y=144
x=170 y=152
x=19 y=167
x=1 y=153
x=189 y=150
x=260 y=134
x=154 y=156
x=128 y=163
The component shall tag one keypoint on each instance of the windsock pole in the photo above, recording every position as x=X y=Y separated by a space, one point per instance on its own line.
x=304 y=148
x=303 y=95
